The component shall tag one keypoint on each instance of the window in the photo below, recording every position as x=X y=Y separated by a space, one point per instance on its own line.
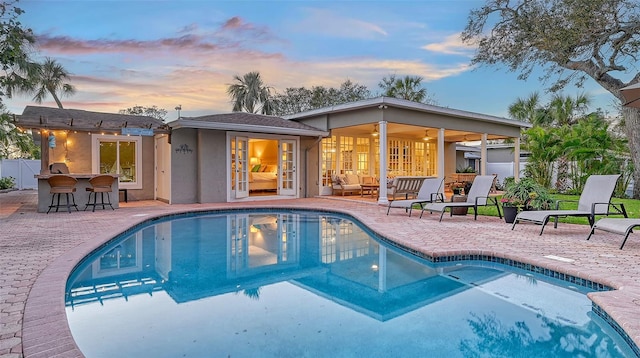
x=328 y=160
x=346 y=156
x=119 y=155
x=362 y=147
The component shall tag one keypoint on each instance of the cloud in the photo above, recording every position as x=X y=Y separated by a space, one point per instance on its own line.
x=452 y=45
x=195 y=67
x=233 y=33
x=330 y=23
x=200 y=86
x=71 y=46
x=245 y=31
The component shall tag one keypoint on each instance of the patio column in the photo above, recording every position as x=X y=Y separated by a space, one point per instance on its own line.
x=483 y=154
x=516 y=159
x=382 y=269
x=382 y=191
x=44 y=152
x=441 y=153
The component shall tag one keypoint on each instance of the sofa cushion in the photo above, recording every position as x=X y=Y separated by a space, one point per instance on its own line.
x=352 y=179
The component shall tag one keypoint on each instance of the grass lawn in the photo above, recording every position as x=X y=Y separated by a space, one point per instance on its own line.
x=631 y=205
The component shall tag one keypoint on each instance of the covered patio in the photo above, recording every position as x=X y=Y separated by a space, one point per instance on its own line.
x=387 y=137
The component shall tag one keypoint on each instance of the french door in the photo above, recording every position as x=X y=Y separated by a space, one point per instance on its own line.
x=241 y=167
x=287 y=161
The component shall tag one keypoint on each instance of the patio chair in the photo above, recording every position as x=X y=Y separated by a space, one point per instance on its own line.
x=430 y=192
x=594 y=200
x=621 y=226
x=478 y=196
x=62 y=184
x=100 y=184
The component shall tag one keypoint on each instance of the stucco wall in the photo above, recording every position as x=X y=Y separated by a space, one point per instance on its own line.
x=449 y=158
x=76 y=149
x=184 y=166
x=309 y=167
x=79 y=152
x=212 y=166
x=500 y=155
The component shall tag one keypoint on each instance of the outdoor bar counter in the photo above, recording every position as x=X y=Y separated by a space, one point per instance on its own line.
x=81 y=194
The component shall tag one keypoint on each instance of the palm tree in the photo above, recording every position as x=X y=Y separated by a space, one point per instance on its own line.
x=529 y=110
x=408 y=87
x=565 y=112
x=51 y=79
x=250 y=94
x=544 y=147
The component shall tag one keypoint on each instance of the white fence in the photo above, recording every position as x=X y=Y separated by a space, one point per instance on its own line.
x=503 y=170
x=22 y=170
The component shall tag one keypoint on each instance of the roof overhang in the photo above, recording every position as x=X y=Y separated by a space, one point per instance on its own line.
x=186 y=123
x=381 y=102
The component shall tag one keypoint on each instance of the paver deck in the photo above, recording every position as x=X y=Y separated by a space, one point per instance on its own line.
x=38 y=251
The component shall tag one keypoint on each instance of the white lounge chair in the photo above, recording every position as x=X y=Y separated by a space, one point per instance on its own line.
x=430 y=192
x=594 y=200
x=478 y=196
x=617 y=226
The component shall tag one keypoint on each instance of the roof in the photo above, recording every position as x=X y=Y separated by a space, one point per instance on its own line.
x=248 y=122
x=35 y=117
x=411 y=105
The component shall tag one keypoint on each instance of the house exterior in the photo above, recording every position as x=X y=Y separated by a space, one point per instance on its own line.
x=386 y=137
x=210 y=158
x=242 y=156
x=97 y=143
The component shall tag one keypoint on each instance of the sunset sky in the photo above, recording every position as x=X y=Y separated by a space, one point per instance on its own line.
x=169 y=53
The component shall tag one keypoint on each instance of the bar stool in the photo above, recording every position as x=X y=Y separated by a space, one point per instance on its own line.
x=100 y=184
x=62 y=184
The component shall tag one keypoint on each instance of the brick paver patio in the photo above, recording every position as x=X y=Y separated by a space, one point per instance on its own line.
x=38 y=251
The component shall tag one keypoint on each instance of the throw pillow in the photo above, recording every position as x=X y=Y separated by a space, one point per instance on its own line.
x=255 y=168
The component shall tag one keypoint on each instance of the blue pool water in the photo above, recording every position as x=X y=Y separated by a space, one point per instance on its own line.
x=303 y=284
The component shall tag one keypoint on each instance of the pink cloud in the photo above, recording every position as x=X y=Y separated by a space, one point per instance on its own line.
x=68 y=45
x=247 y=31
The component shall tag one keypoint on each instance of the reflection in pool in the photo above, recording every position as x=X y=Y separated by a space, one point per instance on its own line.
x=303 y=284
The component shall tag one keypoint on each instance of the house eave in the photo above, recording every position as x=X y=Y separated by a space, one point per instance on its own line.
x=186 y=123
x=404 y=104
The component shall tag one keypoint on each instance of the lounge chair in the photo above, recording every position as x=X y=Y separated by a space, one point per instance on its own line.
x=430 y=192
x=594 y=200
x=622 y=226
x=478 y=196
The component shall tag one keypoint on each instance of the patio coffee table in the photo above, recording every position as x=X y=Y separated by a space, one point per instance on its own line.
x=371 y=188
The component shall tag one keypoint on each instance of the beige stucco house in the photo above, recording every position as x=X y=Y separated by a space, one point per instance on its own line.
x=223 y=157
x=241 y=156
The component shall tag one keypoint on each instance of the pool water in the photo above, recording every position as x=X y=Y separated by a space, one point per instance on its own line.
x=304 y=284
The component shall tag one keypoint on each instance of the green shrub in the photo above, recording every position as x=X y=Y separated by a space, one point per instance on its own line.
x=526 y=192
x=465 y=170
x=7 y=183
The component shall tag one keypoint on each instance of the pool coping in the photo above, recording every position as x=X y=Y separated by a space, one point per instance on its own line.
x=46 y=332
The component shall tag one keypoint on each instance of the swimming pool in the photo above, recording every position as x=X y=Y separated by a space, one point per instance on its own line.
x=305 y=284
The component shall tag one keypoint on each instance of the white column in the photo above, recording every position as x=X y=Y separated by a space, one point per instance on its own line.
x=441 y=153
x=382 y=197
x=483 y=154
x=516 y=159
x=382 y=269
